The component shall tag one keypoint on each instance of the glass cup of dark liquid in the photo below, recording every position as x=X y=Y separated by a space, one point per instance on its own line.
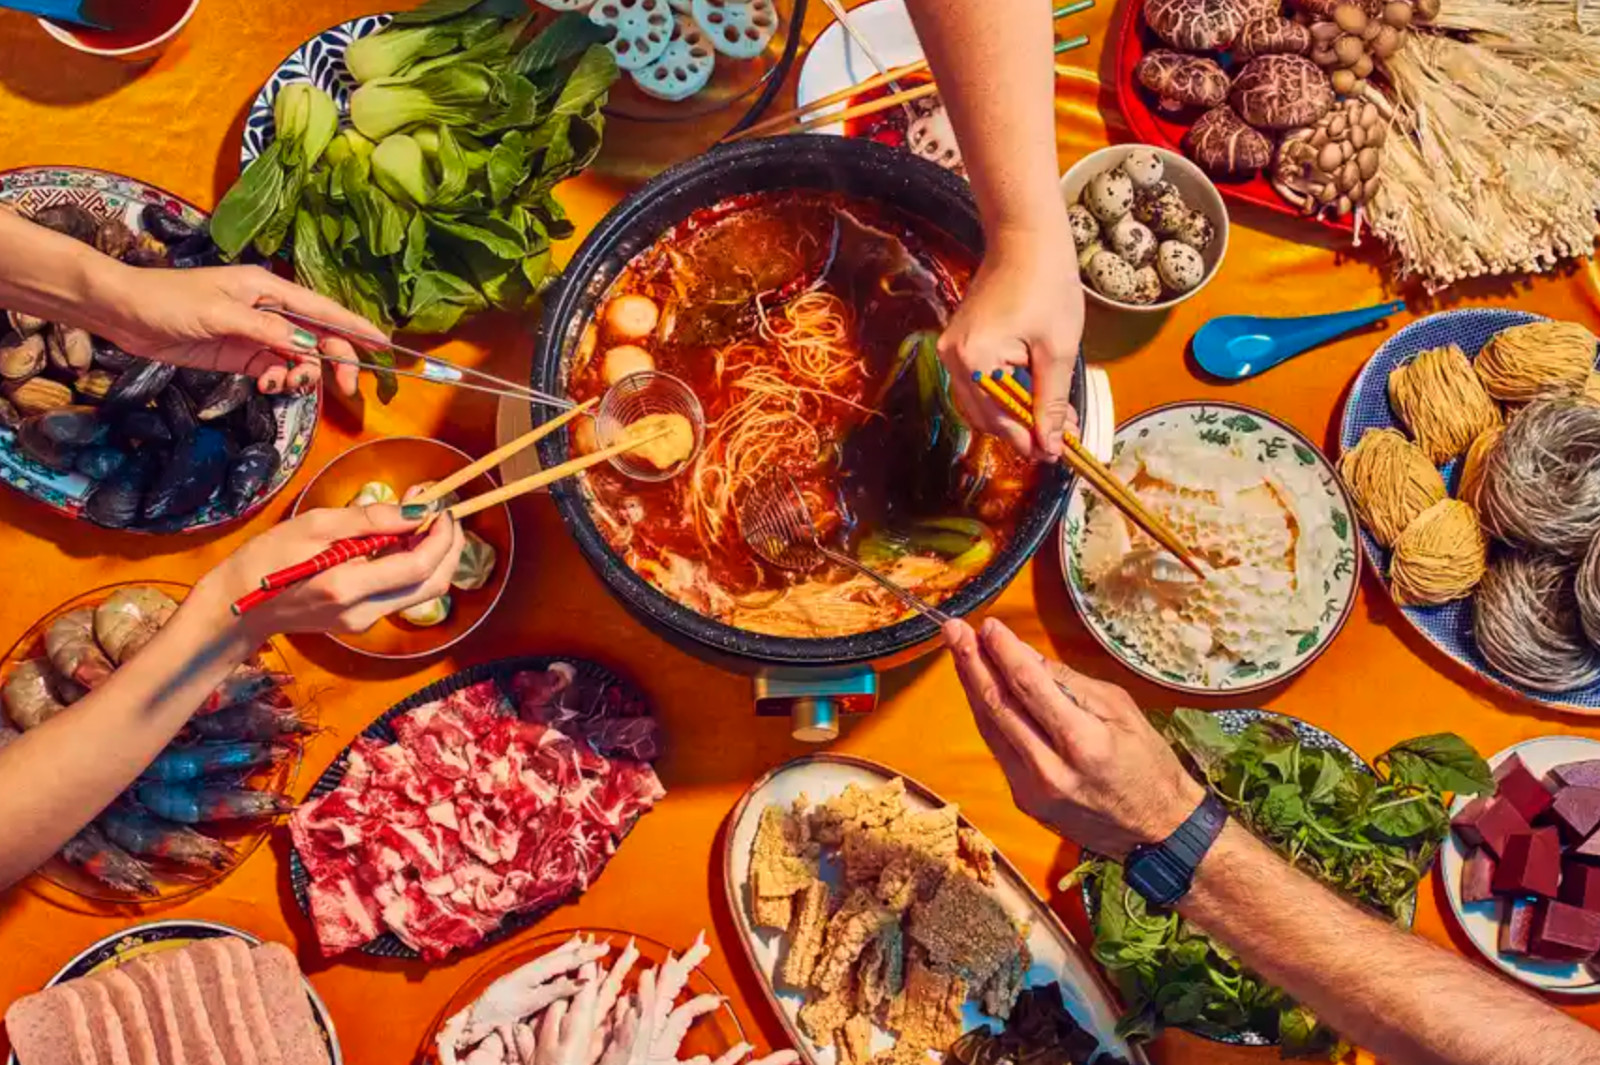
x=133 y=30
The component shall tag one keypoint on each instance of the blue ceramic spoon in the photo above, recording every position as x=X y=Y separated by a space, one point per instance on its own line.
x=1237 y=346
x=69 y=11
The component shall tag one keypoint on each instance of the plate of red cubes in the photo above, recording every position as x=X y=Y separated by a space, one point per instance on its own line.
x=1522 y=866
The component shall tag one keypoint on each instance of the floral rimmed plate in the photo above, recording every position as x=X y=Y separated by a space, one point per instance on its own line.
x=1447 y=627
x=108 y=195
x=140 y=940
x=1277 y=447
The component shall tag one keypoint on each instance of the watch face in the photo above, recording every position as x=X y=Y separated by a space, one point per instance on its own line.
x=1153 y=873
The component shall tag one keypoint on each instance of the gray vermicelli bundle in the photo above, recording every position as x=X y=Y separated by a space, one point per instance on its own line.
x=1587 y=588
x=1540 y=487
x=1525 y=620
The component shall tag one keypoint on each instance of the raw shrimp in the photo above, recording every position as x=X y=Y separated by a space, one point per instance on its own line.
x=108 y=863
x=189 y=804
x=129 y=619
x=249 y=721
x=69 y=641
x=243 y=685
x=148 y=837
x=208 y=760
x=30 y=694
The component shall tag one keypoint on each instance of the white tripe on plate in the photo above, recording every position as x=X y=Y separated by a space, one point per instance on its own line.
x=1261 y=529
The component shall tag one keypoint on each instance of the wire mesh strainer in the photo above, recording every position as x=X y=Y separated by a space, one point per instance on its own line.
x=775 y=521
x=638 y=396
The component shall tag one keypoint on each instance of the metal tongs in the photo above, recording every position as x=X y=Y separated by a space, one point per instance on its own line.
x=434 y=369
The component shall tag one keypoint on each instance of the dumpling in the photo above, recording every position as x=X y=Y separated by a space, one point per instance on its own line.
x=374 y=492
x=450 y=498
x=432 y=612
x=476 y=565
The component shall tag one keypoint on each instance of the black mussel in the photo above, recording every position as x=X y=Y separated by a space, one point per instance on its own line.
x=69 y=218
x=229 y=394
x=249 y=475
x=74 y=426
x=10 y=416
x=115 y=501
x=166 y=226
x=98 y=463
x=142 y=426
x=114 y=238
x=43 y=450
x=140 y=384
x=108 y=356
x=198 y=383
x=211 y=257
x=255 y=422
x=174 y=405
x=195 y=470
x=197 y=245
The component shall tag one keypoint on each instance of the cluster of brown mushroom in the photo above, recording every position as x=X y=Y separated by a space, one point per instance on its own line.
x=1265 y=85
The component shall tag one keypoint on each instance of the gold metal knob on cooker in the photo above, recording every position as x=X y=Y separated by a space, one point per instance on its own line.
x=815 y=719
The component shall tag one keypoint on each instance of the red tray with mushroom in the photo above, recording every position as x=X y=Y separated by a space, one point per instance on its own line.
x=1153 y=126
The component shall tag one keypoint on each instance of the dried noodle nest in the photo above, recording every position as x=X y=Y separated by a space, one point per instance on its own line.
x=1442 y=402
x=1526 y=623
x=1440 y=557
x=1538 y=359
x=1587 y=590
x=1391 y=482
x=1472 y=466
x=1541 y=483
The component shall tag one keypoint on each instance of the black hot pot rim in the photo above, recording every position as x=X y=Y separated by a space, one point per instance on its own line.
x=855 y=167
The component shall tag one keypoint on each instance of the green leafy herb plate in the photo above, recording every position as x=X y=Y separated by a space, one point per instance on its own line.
x=1276 y=446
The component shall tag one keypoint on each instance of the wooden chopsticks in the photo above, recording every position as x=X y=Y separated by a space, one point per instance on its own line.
x=1015 y=397
x=800 y=119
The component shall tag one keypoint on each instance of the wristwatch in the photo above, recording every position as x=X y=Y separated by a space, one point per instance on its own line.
x=1163 y=872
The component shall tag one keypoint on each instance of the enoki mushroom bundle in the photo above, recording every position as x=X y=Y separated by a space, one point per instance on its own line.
x=1541 y=483
x=1526 y=623
x=1538 y=359
x=1442 y=402
x=1439 y=557
x=1391 y=482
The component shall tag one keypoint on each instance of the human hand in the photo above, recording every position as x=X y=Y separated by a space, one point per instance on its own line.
x=1088 y=765
x=1024 y=308
x=219 y=318
x=351 y=596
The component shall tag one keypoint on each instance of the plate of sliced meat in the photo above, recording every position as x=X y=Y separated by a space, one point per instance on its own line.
x=176 y=991
x=592 y=996
x=884 y=925
x=473 y=808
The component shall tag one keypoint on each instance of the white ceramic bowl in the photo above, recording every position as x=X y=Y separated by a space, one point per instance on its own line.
x=1197 y=191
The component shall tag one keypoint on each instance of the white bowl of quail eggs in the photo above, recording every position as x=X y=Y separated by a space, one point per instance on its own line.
x=1150 y=227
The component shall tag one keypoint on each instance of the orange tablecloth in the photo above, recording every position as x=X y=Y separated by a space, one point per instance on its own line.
x=177 y=124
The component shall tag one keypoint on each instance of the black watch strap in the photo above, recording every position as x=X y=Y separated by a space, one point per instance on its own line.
x=1190 y=840
x=1163 y=872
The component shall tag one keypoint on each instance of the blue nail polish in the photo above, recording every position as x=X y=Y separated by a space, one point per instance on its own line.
x=414 y=511
x=305 y=340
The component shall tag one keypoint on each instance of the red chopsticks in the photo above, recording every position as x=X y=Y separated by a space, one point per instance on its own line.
x=338 y=553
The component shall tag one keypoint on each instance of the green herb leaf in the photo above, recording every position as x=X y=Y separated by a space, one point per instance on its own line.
x=1199 y=734
x=433 y=11
x=1443 y=762
x=570 y=35
x=587 y=85
x=250 y=204
x=1282 y=809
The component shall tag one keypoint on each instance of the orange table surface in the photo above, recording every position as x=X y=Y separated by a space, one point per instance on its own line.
x=176 y=123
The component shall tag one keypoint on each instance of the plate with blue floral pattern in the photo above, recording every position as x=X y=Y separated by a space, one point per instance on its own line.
x=1448 y=627
x=1331 y=561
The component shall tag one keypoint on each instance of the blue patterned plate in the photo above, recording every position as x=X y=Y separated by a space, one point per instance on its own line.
x=1276 y=447
x=107 y=195
x=1448 y=627
x=319 y=61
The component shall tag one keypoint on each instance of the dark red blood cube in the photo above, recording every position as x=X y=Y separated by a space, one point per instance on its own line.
x=1518 y=784
x=1576 y=811
x=1579 y=774
x=1477 y=875
x=1516 y=926
x=1530 y=864
x=1488 y=823
x=1580 y=885
x=1564 y=933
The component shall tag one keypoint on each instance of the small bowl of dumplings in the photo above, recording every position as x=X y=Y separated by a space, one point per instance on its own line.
x=1149 y=227
x=396 y=470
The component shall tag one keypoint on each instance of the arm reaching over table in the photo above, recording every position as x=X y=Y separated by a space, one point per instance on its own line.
x=62 y=773
x=996 y=76
x=212 y=318
x=1087 y=763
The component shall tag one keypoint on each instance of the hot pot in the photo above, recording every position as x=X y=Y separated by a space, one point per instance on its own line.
x=815 y=679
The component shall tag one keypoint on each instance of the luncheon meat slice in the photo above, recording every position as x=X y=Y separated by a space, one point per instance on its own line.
x=283 y=995
x=137 y=1030
x=255 y=1010
x=51 y=1025
x=200 y=1045
x=105 y=1027
x=160 y=1005
x=220 y=990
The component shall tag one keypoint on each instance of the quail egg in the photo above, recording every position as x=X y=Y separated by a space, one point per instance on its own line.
x=1087 y=253
x=1133 y=240
x=1085 y=230
x=1146 y=285
x=1113 y=277
x=1108 y=196
x=1179 y=265
x=1194 y=229
x=1158 y=205
x=1143 y=167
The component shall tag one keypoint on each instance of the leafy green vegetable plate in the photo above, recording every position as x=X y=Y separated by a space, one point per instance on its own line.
x=1333 y=560
x=1370 y=833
